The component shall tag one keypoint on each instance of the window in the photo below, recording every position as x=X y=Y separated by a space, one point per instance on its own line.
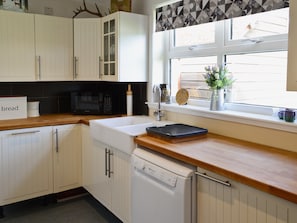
x=188 y=73
x=194 y=35
x=259 y=25
x=253 y=47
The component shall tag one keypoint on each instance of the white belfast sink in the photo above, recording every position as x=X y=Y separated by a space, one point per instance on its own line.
x=120 y=132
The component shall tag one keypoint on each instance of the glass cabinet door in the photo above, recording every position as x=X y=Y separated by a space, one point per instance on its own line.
x=109 y=47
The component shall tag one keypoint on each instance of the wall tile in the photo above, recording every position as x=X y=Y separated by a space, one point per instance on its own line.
x=54 y=97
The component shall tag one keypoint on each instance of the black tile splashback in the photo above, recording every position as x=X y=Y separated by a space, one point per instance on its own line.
x=54 y=97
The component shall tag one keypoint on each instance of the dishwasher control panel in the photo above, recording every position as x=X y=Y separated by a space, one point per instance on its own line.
x=156 y=172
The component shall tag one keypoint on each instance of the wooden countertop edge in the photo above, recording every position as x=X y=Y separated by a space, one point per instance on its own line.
x=155 y=144
x=50 y=120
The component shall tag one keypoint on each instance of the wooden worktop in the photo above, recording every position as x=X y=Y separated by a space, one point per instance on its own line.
x=49 y=120
x=268 y=169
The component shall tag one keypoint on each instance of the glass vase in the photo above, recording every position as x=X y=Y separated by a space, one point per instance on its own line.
x=217 y=100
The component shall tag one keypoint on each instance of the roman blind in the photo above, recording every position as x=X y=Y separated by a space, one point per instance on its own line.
x=193 y=12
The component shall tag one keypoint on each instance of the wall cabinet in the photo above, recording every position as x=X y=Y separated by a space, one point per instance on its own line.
x=239 y=203
x=25 y=164
x=87 y=49
x=110 y=181
x=67 y=157
x=41 y=47
x=125 y=47
x=54 y=48
x=292 y=48
x=17 y=50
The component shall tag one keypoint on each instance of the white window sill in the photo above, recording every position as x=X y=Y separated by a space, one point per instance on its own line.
x=262 y=117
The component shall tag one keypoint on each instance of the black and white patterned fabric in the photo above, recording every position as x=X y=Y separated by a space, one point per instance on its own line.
x=193 y=12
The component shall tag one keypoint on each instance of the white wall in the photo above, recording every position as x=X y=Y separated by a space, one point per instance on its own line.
x=65 y=8
x=158 y=67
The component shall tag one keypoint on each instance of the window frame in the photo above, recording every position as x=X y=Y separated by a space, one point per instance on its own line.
x=223 y=46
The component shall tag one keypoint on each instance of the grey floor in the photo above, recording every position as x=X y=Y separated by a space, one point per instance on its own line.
x=84 y=209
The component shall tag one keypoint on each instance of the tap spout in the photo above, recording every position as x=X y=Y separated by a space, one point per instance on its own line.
x=158 y=113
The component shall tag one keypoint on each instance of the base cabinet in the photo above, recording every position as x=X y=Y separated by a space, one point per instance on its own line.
x=93 y=164
x=107 y=176
x=67 y=157
x=39 y=161
x=113 y=184
x=239 y=203
x=121 y=186
x=25 y=164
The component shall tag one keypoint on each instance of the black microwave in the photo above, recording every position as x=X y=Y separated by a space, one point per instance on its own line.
x=91 y=103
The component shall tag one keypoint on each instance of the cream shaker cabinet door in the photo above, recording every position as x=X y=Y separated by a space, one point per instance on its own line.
x=17 y=52
x=111 y=179
x=103 y=159
x=93 y=168
x=88 y=165
x=87 y=49
x=67 y=157
x=121 y=186
x=125 y=47
x=54 y=48
x=238 y=203
x=25 y=164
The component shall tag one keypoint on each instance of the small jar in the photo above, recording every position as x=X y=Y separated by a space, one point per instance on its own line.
x=168 y=97
x=163 y=88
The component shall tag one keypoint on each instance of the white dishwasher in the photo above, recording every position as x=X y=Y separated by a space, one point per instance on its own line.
x=163 y=191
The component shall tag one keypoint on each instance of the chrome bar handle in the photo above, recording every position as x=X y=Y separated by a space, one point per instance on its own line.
x=39 y=67
x=57 y=140
x=106 y=152
x=100 y=67
x=204 y=175
x=75 y=67
x=110 y=153
x=23 y=133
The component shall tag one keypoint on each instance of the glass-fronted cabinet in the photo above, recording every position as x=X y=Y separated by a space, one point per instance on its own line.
x=125 y=47
x=109 y=47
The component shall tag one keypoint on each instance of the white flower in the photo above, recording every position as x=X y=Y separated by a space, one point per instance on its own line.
x=217 y=76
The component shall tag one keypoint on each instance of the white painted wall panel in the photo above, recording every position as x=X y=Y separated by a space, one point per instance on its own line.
x=240 y=204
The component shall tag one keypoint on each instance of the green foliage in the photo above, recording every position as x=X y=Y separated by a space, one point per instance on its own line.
x=218 y=77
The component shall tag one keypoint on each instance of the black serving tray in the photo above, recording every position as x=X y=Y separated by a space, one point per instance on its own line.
x=176 y=131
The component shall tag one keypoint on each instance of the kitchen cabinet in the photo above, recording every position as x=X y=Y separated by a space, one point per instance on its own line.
x=25 y=164
x=67 y=157
x=292 y=48
x=17 y=50
x=125 y=47
x=112 y=185
x=54 y=48
x=238 y=203
x=90 y=162
x=87 y=49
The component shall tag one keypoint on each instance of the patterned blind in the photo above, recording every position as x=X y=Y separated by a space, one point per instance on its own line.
x=193 y=12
